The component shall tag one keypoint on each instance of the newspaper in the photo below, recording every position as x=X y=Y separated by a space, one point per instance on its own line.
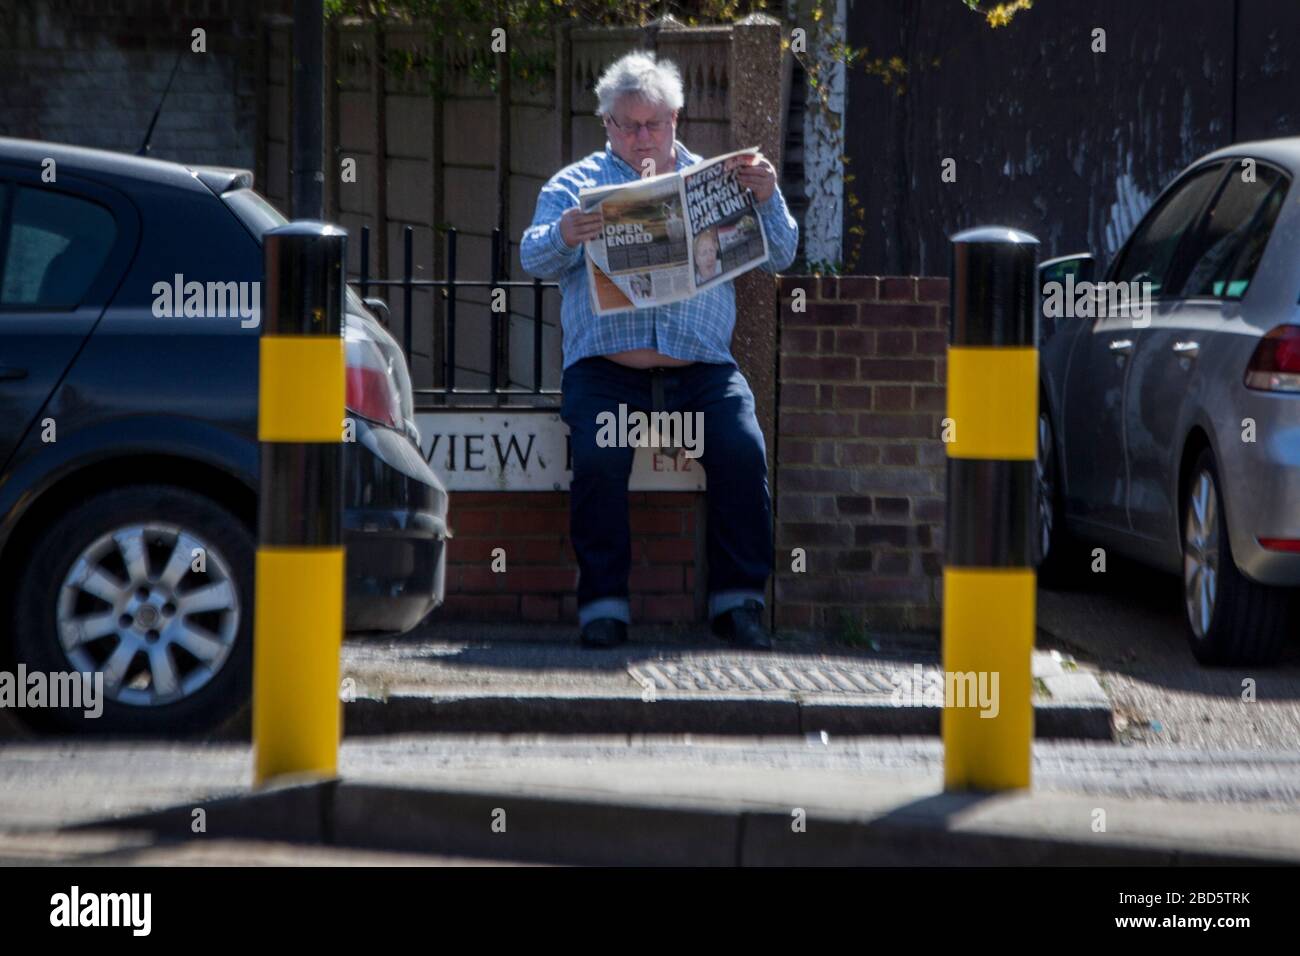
x=664 y=238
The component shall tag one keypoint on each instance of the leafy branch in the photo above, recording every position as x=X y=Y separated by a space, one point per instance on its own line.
x=1000 y=14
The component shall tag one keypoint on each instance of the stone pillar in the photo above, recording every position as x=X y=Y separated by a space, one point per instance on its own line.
x=754 y=77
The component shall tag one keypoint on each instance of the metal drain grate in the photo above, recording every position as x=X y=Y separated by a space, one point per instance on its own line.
x=768 y=676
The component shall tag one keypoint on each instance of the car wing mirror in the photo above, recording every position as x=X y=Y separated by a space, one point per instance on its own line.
x=1081 y=265
x=1067 y=273
x=380 y=308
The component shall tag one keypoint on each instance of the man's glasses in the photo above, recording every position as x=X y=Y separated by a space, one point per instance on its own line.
x=654 y=127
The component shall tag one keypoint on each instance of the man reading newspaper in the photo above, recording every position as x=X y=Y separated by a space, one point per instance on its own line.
x=668 y=358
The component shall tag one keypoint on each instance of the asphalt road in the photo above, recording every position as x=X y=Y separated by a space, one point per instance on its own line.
x=1128 y=623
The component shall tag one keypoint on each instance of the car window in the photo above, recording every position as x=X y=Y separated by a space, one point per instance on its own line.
x=1150 y=253
x=1057 y=272
x=1227 y=249
x=253 y=211
x=258 y=216
x=54 y=247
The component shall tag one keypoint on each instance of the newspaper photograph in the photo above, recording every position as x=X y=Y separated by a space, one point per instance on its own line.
x=664 y=238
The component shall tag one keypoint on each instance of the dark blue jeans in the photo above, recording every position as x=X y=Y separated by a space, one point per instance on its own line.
x=734 y=457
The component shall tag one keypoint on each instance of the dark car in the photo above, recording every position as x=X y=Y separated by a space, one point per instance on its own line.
x=128 y=440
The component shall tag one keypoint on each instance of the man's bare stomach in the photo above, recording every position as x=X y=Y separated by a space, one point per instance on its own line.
x=645 y=358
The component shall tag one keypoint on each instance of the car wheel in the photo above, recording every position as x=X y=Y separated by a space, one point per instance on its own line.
x=150 y=588
x=1231 y=620
x=1051 y=545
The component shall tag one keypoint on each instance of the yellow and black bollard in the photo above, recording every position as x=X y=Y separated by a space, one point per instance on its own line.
x=299 y=598
x=988 y=580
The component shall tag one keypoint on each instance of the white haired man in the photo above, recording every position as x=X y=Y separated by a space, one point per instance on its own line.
x=678 y=355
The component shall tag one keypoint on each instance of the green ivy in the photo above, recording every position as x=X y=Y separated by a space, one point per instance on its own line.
x=463 y=28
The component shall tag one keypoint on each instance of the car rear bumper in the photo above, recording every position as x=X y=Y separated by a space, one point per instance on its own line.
x=394 y=579
x=395 y=529
x=1261 y=480
x=1266 y=566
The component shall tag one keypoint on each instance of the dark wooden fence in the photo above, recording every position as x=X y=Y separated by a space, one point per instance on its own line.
x=1048 y=135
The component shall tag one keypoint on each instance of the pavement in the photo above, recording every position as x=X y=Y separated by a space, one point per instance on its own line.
x=1121 y=671
x=641 y=800
x=481 y=678
x=676 y=749
x=506 y=679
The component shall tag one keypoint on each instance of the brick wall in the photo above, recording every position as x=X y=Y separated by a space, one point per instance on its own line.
x=860 y=479
x=91 y=73
x=541 y=571
x=859 y=483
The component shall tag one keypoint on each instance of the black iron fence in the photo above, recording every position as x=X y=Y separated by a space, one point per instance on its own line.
x=442 y=320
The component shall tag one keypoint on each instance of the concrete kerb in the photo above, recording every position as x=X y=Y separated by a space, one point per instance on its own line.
x=459 y=684
x=293 y=811
x=1013 y=829
x=770 y=714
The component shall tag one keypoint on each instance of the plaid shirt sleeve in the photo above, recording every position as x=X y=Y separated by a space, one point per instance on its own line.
x=782 y=232
x=542 y=251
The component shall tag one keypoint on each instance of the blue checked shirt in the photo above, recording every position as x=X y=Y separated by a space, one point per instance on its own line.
x=697 y=329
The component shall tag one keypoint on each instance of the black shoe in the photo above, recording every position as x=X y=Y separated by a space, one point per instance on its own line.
x=743 y=626
x=604 y=632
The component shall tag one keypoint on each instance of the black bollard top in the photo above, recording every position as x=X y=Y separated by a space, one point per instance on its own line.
x=995 y=234
x=305 y=282
x=994 y=288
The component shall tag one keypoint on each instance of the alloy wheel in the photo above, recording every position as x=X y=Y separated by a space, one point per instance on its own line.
x=1201 y=554
x=1046 y=492
x=154 y=607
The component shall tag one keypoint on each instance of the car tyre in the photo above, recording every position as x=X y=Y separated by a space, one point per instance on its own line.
x=116 y=586
x=1231 y=620
x=1055 y=553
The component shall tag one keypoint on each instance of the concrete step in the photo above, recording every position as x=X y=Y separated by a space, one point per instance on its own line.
x=682 y=683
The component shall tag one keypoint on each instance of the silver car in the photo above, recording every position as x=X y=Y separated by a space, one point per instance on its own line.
x=1170 y=433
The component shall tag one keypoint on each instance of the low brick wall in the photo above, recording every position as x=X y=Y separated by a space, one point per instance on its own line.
x=860 y=479
x=859 y=483
x=541 y=571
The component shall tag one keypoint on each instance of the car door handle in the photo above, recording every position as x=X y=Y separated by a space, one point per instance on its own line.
x=1189 y=349
x=1121 y=346
x=8 y=372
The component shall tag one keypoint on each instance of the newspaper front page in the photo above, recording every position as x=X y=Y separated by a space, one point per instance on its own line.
x=664 y=238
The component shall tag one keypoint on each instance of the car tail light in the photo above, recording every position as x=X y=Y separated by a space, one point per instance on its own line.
x=1281 y=544
x=1275 y=366
x=373 y=391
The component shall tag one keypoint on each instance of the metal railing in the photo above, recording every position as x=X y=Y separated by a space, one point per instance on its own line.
x=448 y=288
